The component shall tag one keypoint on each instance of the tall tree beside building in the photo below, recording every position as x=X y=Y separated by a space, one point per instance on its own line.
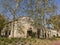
x=12 y=10
x=38 y=9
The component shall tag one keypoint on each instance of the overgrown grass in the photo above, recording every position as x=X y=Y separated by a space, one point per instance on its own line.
x=26 y=41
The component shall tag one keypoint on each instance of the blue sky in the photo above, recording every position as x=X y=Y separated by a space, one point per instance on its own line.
x=22 y=12
x=58 y=3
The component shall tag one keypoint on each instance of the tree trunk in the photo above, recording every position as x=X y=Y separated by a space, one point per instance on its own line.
x=0 y=32
x=38 y=33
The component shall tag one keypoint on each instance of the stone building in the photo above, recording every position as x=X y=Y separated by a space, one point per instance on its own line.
x=21 y=27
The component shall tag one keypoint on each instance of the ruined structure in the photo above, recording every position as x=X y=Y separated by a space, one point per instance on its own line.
x=22 y=26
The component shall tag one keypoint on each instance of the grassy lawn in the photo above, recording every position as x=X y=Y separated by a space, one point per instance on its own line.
x=27 y=41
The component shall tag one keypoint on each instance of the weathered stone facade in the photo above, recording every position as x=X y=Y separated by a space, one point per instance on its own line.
x=21 y=26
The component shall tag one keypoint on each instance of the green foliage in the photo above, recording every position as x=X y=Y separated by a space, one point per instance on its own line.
x=55 y=20
x=1 y=21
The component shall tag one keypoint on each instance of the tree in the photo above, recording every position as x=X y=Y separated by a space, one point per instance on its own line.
x=55 y=20
x=38 y=9
x=12 y=10
x=2 y=21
